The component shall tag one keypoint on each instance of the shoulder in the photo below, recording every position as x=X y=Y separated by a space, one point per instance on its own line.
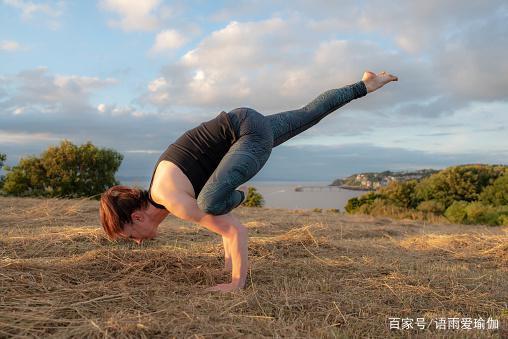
x=169 y=178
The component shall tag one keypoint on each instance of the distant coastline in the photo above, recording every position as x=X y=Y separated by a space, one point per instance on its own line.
x=354 y=188
x=140 y=181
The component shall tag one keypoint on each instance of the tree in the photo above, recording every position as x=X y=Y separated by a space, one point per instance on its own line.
x=465 y=182
x=401 y=193
x=66 y=170
x=497 y=193
x=26 y=178
x=253 y=199
x=354 y=204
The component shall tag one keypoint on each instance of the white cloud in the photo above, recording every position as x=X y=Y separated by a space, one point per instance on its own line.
x=157 y=84
x=38 y=108
x=117 y=111
x=274 y=65
x=169 y=39
x=134 y=15
x=474 y=63
x=36 y=90
x=158 y=91
x=143 y=151
x=10 y=46
x=7 y=137
x=281 y=63
x=30 y=9
x=101 y=108
x=83 y=82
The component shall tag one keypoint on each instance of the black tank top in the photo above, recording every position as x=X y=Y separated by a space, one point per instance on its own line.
x=199 y=151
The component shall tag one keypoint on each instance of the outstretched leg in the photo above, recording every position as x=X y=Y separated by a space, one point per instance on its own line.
x=286 y=125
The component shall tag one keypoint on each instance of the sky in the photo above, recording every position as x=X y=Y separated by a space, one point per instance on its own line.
x=135 y=75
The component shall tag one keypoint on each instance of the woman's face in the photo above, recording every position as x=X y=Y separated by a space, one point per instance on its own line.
x=141 y=228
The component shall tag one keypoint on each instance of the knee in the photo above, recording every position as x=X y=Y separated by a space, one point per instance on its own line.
x=210 y=207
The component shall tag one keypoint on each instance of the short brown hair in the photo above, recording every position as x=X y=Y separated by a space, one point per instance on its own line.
x=116 y=206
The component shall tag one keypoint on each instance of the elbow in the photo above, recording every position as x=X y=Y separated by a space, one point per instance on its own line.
x=236 y=230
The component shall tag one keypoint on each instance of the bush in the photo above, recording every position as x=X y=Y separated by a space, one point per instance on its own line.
x=354 y=204
x=473 y=194
x=64 y=171
x=478 y=213
x=431 y=206
x=400 y=193
x=465 y=182
x=456 y=213
x=497 y=193
x=503 y=220
x=501 y=215
x=254 y=199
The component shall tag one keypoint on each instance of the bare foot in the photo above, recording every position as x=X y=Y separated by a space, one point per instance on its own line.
x=375 y=81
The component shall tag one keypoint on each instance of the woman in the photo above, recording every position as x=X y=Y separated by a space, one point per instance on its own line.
x=196 y=178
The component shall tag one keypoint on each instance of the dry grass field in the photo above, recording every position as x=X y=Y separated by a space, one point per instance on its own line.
x=311 y=275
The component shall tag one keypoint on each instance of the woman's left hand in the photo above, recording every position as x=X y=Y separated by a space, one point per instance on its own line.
x=224 y=288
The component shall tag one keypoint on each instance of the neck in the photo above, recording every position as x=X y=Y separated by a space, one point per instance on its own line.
x=156 y=213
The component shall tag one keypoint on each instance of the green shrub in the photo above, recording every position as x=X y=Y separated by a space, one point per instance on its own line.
x=25 y=179
x=66 y=170
x=431 y=206
x=354 y=204
x=478 y=213
x=464 y=182
x=501 y=215
x=456 y=213
x=473 y=194
x=400 y=193
x=503 y=220
x=497 y=193
x=254 y=199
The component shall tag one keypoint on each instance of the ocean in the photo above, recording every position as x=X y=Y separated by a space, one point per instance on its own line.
x=282 y=194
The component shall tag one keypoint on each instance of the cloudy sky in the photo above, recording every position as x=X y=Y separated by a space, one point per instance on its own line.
x=134 y=75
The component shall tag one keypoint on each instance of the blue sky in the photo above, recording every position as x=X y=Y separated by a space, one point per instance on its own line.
x=135 y=75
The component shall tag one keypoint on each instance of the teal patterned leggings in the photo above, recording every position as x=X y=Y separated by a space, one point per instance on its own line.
x=256 y=135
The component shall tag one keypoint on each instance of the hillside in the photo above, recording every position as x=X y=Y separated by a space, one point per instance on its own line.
x=311 y=275
x=374 y=180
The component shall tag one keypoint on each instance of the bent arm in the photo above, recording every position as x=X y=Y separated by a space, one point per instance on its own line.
x=235 y=239
x=228 y=264
x=228 y=226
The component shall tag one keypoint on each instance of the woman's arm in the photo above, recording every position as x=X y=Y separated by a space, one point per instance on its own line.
x=228 y=265
x=228 y=226
x=236 y=240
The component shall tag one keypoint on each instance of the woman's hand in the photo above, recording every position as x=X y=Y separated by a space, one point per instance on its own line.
x=231 y=287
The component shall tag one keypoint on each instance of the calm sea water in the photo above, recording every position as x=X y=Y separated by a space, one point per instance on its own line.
x=281 y=194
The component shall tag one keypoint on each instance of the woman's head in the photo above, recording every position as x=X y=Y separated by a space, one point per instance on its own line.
x=118 y=206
